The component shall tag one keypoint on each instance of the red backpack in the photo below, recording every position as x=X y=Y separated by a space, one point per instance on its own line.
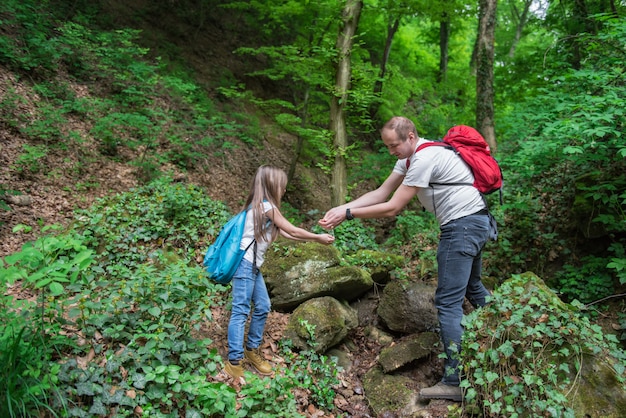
x=469 y=144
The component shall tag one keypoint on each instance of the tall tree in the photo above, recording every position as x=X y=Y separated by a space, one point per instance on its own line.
x=387 y=15
x=299 y=51
x=394 y=13
x=485 y=42
x=350 y=18
x=520 y=19
x=392 y=28
x=444 y=40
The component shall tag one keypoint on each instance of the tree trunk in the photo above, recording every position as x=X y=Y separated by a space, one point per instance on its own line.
x=521 y=22
x=484 y=71
x=444 y=39
x=582 y=25
x=300 y=139
x=391 y=31
x=392 y=28
x=350 y=17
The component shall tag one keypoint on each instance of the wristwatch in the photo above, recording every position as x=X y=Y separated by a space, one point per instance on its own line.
x=349 y=215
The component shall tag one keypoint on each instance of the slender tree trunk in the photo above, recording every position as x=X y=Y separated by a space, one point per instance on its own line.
x=304 y=112
x=391 y=31
x=300 y=140
x=484 y=71
x=580 y=14
x=350 y=17
x=444 y=39
x=392 y=28
x=521 y=22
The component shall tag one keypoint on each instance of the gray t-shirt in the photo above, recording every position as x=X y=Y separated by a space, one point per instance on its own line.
x=441 y=165
x=248 y=235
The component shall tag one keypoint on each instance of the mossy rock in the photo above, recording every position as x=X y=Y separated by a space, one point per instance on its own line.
x=379 y=264
x=330 y=319
x=388 y=393
x=541 y=356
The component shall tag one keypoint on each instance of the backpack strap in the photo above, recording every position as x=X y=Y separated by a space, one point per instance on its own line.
x=254 y=259
x=254 y=269
x=451 y=148
x=250 y=245
x=447 y=146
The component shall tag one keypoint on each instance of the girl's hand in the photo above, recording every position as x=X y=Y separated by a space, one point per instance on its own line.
x=326 y=239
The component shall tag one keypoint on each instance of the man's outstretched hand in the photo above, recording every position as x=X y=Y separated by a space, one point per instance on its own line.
x=332 y=218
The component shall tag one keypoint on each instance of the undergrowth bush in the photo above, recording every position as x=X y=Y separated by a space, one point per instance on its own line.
x=115 y=328
x=140 y=327
x=523 y=353
x=128 y=101
x=587 y=282
x=565 y=169
x=127 y=228
x=3 y=204
x=35 y=331
x=30 y=161
x=321 y=371
x=28 y=376
x=417 y=234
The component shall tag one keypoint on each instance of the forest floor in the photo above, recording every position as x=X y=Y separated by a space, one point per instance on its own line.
x=74 y=178
x=54 y=194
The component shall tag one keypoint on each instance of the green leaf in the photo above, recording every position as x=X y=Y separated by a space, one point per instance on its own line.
x=13 y=258
x=83 y=259
x=491 y=376
x=44 y=282
x=139 y=380
x=507 y=348
x=180 y=305
x=155 y=311
x=22 y=227
x=56 y=288
x=12 y=274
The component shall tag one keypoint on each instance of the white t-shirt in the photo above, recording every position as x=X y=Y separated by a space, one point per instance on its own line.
x=248 y=235
x=441 y=165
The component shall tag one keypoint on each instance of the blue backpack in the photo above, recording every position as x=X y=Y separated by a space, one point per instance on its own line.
x=224 y=255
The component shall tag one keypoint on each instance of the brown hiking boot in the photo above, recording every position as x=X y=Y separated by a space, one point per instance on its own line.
x=442 y=391
x=254 y=358
x=234 y=370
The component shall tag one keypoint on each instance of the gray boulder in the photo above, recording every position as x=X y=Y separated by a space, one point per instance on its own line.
x=324 y=321
x=295 y=273
x=408 y=307
x=407 y=350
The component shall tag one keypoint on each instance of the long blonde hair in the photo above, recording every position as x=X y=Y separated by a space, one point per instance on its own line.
x=269 y=184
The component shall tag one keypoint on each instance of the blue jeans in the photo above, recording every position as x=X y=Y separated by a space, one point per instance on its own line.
x=248 y=287
x=459 y=259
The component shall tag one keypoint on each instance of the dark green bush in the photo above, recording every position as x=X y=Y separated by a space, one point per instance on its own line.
x=523 y=352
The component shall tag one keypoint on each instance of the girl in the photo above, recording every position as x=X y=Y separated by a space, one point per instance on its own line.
x=263 y=224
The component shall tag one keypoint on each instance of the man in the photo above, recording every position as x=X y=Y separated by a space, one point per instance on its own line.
x=434 y=174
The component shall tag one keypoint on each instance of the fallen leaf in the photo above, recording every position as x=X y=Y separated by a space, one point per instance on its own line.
x=84 y=361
